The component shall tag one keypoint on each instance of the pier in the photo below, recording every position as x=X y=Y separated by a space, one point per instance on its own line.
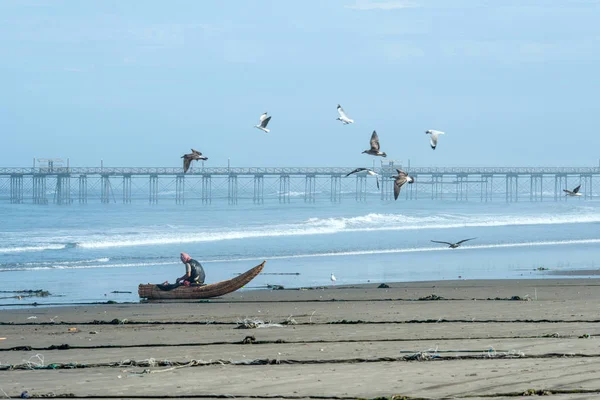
x=64 y=185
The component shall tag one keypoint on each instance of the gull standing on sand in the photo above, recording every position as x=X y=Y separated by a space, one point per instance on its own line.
x=368 y=172
x=195 y=155
x=574 y=192
x=374 y=150
x=400 y=180
x=264 y=121
x=333 y=279
x=453 y=245
x=343 y=117
x=434 y=137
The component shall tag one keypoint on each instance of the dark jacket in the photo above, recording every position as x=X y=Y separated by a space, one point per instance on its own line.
x=196 y=272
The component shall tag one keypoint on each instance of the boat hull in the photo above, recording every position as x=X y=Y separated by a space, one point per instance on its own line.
x=153 y=292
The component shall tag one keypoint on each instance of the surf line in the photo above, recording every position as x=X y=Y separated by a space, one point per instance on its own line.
x=415 y=250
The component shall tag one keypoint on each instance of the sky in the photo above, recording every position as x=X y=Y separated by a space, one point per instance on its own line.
x=140 y=82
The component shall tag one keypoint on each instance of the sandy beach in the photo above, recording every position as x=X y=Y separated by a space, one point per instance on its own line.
x=448 y=339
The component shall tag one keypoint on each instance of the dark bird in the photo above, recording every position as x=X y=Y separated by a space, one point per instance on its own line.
x=368 y=172
x=374 y=150
x=453 y=245
x=400 y=180
x=195 y=155
x=574 y=192
x=263 y=122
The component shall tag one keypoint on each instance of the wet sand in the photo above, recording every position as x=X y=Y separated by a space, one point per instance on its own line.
x=449 y=339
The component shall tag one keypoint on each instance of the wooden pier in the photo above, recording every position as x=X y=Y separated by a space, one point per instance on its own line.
x=66 y=185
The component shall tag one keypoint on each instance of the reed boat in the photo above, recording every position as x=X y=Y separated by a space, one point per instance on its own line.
x=155 y=292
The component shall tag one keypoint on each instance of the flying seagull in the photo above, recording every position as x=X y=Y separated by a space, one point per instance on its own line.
x=434 y=137
x=400 y=180
x=368 y=171
x=343 y=117
x=188 y=158
x=574 y=192
x=264 y=121
x=453 y=245
x=374 y=150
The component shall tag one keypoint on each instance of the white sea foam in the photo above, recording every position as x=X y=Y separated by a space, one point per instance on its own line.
x=23 y=249
x=64 y=265
x=328 y=226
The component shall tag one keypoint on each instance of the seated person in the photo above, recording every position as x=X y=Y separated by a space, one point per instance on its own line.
x=194 y=273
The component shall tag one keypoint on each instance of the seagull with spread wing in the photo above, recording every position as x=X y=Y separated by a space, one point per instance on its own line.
x=453 y=245
x=368 y=172
x=375 y=148
x=343 y=117
x=434 y=137
x=574 y=192
x=195 y=155
x=264 y=121
x=400 y=180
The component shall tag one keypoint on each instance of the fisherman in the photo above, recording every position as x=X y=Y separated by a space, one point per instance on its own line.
x=194 y=273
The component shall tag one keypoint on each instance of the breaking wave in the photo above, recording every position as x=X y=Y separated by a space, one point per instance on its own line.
x=329 y=226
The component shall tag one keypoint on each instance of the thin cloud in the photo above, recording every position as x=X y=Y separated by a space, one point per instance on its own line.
x=382 y=5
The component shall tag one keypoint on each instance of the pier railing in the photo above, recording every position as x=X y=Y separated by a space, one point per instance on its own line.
x=66 y=185
x=288 y=170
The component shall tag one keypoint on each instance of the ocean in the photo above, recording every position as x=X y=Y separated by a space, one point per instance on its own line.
x=101 y=252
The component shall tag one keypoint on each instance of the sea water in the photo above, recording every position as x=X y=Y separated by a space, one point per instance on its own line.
x=84 y=253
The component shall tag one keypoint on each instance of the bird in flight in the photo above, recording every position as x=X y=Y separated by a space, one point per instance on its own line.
x=574 y=192
x=434 y=137
x=343 y=117
x=400 y=180
x=264 y=121
x=195 y=155
x=453 y=245
x=374 y=150
x=368 y=172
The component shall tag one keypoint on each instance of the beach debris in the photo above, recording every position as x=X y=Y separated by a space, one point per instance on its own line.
x=585 y=336
x=118 y=291
x=2 y=338
x=513 y=298
x=63 y=346
x=383 y=286
x=27 y=293
x=275 y=287
x=248 y=323
x=554 y=335
x=36 y=361
x=73 y=330
x=492 y=353
x=432 y=297
x=52 y=320
x=311 y=315
x=32 y=317
x=249 y=339
x=24 y=394
x=534 y=392
x=93 y=333
x=426 y=355
x=289 y=321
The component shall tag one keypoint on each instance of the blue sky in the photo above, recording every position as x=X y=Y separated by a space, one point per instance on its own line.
x=137 y=83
